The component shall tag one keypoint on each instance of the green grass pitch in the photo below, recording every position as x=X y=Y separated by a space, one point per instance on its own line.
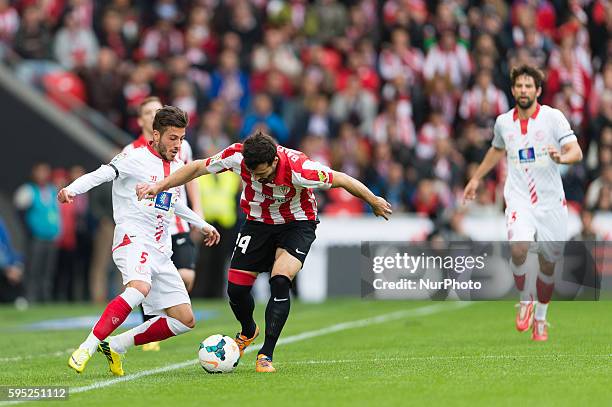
x=415 y=353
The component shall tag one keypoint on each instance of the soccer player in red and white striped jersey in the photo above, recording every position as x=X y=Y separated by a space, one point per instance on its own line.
x=531 y=136
x=281 y=211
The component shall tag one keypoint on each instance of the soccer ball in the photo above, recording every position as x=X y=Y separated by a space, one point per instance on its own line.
x=219 y=354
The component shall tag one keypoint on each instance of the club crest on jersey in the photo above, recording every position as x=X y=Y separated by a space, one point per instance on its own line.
x=284 y=189
x=527 y=155
x=322 y=176
x=162 y=200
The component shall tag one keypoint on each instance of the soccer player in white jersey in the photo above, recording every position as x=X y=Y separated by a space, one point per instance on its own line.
x=142 y=245
x=281 y=211
x=535 y=138
x=183 y=249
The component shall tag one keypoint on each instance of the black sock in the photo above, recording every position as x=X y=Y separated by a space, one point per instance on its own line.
x=145 y=317
x=277 y=312
x=242 y=303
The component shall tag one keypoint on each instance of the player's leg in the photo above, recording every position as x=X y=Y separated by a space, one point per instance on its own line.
x=132 y=260
x=294 y=240
x=254 y=253
x=168 y=301
x=521 y=229
x=183 y=257
x=552 y=232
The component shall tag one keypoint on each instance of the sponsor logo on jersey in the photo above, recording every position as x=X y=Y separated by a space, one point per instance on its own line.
x=118 y=157
x=162 y=200
x=527 y=155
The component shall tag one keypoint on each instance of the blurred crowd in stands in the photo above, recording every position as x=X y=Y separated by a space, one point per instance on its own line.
x=402 y=94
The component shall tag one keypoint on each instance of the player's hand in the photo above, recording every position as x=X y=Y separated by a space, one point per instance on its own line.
x=211 y=236
x=381 y=208
x=554 y=154
x=469 y=193
x=145 y=190
x=65 y=196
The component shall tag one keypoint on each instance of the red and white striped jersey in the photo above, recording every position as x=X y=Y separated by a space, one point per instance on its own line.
x=289 y=197
x=185 y=155
x=533 y=178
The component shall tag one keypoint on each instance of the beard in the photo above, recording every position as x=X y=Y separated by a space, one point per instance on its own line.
x=525 y=103
x=166 y=153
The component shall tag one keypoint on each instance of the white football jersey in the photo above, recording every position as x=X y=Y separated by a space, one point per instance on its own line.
x=185 y=155
x=148 y=220
x=533 y=177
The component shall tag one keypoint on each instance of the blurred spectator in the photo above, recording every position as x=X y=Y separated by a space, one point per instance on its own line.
x=229 y=83
x=33 y=44
x=112 y=35
x=276 y=53
x=75 y=45
x=356 y=105
x=441 y=96
x=103 y=83
x=599 y=193
x=326 y=20
x=587 y=233
x=432 y=131
x=162 y=40
x=316 y=121
x=37 y=202
x=483 y=102
x=400 y=58
x=211 y=137
x=426 y=201
x=11 y=268
x=394 y=125
x=263 y=117
x=9 y=23
x=448 y=59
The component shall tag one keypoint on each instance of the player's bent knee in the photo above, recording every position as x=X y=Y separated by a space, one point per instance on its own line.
x=141 y=286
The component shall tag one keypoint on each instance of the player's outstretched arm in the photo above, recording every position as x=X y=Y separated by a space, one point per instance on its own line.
x=380 y=207
x=86 y=182
x=211 y=236
x=185 y=174
x=491 y=159
x=571 y=153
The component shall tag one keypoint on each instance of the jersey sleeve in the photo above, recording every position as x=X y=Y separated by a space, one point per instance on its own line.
x=498 y=140
x=228 y=159
x=562 y=130
x=312 y=174
x=90 y=180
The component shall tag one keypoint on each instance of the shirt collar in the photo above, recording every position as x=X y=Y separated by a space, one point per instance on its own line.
x=515 y=115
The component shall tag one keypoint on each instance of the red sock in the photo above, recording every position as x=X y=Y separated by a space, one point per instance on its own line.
x=115 y=313
x=544 y=291
x=519 y=281
x=158 y=331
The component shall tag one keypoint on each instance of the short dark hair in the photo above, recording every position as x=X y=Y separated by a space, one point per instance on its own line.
x=535 y=73
x=170 y=116
x=259 y=148
x=146 y=101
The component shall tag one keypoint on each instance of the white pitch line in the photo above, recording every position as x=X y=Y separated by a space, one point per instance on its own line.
x=392 y=316
x=43 y=355
x=450 y=357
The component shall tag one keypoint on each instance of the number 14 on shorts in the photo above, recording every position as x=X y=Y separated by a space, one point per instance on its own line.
x=243 y=243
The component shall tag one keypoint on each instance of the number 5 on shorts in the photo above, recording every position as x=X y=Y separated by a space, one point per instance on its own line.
x=143 y=257
x=243 y=243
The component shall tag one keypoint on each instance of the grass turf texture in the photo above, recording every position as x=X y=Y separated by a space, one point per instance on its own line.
x=467 y=356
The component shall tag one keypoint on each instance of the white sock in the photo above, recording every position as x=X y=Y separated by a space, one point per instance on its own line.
x=91 y=343
x=521 y=270
x=540 y=311
x=121 y=343
x=132 y=296
x=176 y=326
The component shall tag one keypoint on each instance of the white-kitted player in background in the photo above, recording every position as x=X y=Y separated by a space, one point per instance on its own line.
x=142 y=247
x=535 y=138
